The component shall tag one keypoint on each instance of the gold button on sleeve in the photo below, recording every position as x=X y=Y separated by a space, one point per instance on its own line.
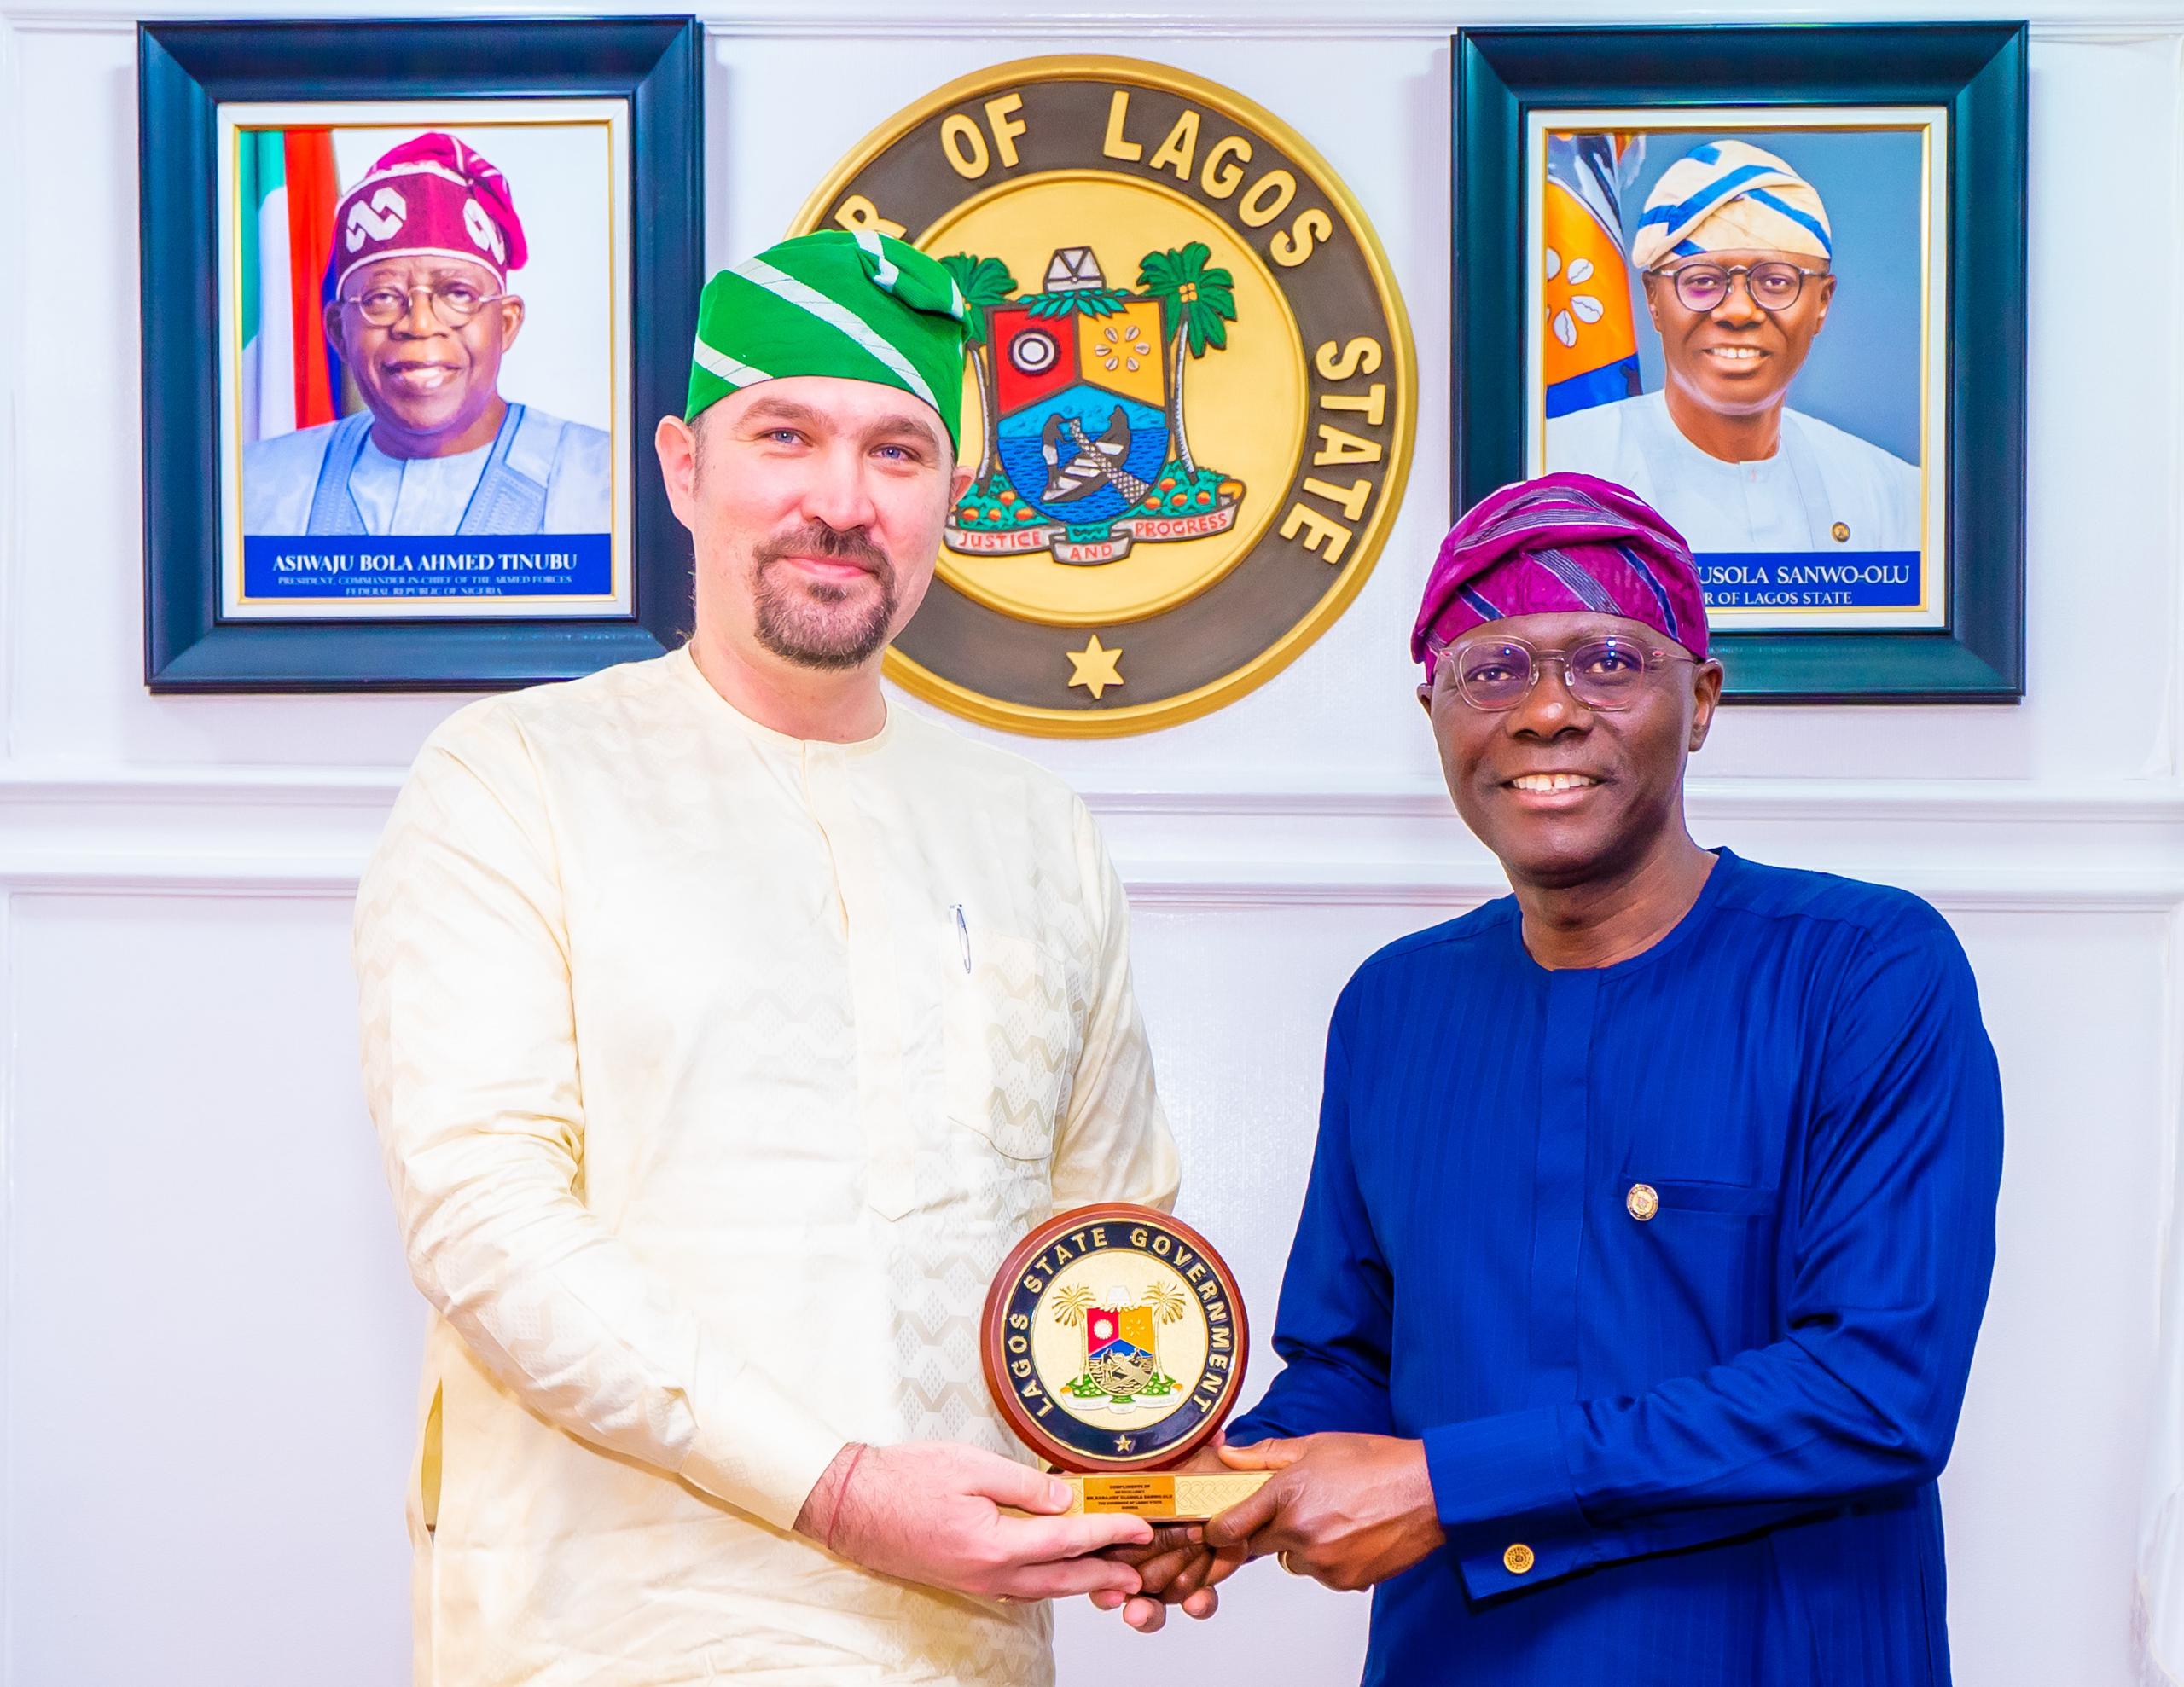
x=1643 y=1201
x=1518 y=1559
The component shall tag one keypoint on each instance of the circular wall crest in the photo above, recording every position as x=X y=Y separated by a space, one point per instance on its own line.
x=1190 y=397
x=1114 y=1339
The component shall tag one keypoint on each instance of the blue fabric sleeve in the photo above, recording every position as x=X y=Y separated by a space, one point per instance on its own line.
x=1892 y=1248
x=1332 y=1326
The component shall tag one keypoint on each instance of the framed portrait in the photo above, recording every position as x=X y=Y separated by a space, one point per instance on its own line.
x=1772 y=280
x=414 y=295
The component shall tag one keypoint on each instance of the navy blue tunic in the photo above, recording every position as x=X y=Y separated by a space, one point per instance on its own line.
x=1676 y=1267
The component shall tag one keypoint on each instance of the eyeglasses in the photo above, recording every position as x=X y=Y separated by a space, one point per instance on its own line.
x=454 y=302
x=1774 y=284
x=1499 y=673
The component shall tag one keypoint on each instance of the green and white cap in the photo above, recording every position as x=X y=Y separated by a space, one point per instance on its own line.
x=861 y=306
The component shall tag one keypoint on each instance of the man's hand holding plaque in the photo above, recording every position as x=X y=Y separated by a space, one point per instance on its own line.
x=1347 y=1510
x=958 y=1516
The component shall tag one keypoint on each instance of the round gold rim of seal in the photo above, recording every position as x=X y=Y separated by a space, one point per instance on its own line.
x=1132 y=718
x=996 y=1355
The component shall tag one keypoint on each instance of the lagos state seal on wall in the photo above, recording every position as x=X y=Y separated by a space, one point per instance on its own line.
x=1189 y=398
x=1114 y=1339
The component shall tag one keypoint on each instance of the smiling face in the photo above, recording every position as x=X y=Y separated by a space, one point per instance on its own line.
x=434 y=386
x=1562 y=794
x=1737 y=359
x=816 y=505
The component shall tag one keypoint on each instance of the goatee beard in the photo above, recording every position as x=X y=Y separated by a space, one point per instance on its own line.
x=814 y=624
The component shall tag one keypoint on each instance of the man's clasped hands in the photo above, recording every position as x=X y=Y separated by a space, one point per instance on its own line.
x=1348 y=1510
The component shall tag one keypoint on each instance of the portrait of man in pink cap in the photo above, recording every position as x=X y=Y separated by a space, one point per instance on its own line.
x=421 y=315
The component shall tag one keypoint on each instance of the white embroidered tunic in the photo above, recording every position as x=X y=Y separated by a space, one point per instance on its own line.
x=716 y=1071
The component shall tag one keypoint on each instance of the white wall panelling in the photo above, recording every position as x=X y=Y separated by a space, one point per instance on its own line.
x=210 y=1382
x=207 y=1346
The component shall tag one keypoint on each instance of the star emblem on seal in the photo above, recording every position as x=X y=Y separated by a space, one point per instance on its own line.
x=1096 y=668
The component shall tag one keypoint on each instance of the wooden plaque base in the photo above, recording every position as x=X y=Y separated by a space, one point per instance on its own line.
x=1164 y=1497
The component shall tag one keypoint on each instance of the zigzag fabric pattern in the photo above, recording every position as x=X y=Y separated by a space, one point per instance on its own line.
x=716 y=1072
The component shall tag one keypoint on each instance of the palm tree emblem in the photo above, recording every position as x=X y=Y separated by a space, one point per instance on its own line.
x=1198 y=300
x=983 y=282
x=1125 y=1372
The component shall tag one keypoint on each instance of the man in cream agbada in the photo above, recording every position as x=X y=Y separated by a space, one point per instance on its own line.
x=724 y=1027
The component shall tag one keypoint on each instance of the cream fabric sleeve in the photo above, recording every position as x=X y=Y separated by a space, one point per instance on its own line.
x=1114 y=1144
x=470 y=1070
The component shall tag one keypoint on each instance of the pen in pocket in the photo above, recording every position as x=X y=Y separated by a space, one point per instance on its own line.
x=963 y=933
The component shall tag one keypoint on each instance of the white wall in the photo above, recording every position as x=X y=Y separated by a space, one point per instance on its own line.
x=207 y=1345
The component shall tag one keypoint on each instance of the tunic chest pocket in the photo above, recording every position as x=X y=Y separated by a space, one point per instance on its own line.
x=1009 y=1042
x=1692 y=1194
x=1710 y=1247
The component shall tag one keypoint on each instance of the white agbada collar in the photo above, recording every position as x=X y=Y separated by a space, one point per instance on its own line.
x=1776 y=497
x=415 y=495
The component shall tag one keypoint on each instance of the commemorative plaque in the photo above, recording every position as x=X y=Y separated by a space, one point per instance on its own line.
x=1114 y=1342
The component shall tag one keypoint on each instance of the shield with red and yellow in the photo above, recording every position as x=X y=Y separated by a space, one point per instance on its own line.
x=1080 y=391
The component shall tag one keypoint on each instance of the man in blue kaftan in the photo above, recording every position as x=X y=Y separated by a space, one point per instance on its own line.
x=1652 y=1215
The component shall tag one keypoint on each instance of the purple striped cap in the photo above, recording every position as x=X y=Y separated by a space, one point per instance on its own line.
x=1565 y=542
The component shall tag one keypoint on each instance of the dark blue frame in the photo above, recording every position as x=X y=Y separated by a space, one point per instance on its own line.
x=184 y=72
x=1978 y=71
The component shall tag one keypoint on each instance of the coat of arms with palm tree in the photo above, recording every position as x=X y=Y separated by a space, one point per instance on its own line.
x=1122 y=1344
x=1082 y=448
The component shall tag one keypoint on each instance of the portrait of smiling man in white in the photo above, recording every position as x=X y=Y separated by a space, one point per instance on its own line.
x=1738 y=262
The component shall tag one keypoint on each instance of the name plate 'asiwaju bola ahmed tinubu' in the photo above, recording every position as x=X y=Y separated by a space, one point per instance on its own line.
x=1114 y=1341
